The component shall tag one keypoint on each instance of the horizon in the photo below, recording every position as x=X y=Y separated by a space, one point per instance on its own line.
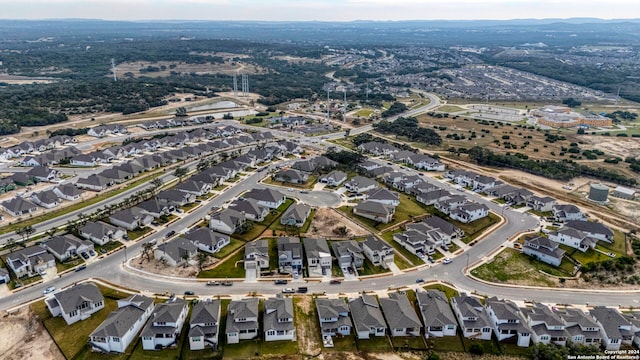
x=316 y=10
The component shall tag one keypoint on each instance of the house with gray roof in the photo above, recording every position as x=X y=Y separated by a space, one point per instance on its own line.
x=400 y=315
x=507 y=321
x=541 y=203
x=76 y=303
x=377 y=148
x=334 y=178
x=367 y=317
x=120 y=328
x=100 y=232
x=68 y=192
x=47 y=199
x=131 y=218
x=17 y=207
x=256 y=255
x=333 y=315
x=208 y=240
x=226 y=221
x=176 y=252
x=43 y=173
x=318 y=256
x=360 y=184
x=425 y=162
x=375 y=211
x=383 y=196
x=417 y=241
x=204 y=325
x=573 y=238
x=165 y=324
x=593 y=229
x=4 y=276
x=432 y=197
x=266 y=197
x=289 y=255
x=250 y=209
x=30 y=261
x=546 y=325
x=437 y=316
x=95 y=182
x=349 y=254
x=471 y=315
x=615 y=329
x=195 y=187
x=581 y=327
x=483 y=183
x=156 y=207
x=176 y=198
x=378 y=251
x=469 y=212
x=318 y=163
x=291 y=176
x=242 y=320
x=544 y=249
x=296 y=215
x=67 y=246
x=278 y=319
x=566 y=212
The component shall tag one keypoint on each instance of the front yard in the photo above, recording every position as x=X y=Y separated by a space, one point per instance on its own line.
x=232 y=267
x=138 y=233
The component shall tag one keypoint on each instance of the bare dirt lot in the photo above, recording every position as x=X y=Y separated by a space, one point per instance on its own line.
x=24 y=337
x=327 y=220
x=158 y=267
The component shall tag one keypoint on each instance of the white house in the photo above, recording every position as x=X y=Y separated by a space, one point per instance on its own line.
x=615 y=329
x=164 y=326
x=204 y=325
x=507 y=321
x=400 y=315
x=471 y=315
x=438 y=319
x=469 y=212
x=334 y=317
x=242 y=320
x=278 y=319
x=76 y=303
x=367 y=317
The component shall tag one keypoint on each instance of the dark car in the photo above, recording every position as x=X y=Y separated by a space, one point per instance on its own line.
x=189 y=292
x=227 y=283
x=171 y=233
x=335 y=282
x=280 y=282
x=84 y=255
x=303 y=290
x=92 y=253
x=81 y=267
x=419 y=281
x=350 y=270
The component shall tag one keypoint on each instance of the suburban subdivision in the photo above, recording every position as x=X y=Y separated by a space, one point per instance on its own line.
x=490 y=212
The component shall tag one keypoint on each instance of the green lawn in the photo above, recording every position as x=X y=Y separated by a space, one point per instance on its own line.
x=453 y=248
x=269 y=220
x=293 y=230
x=586 y=257
x=279 y=348
x=273 y=254
x=375 y=344
x=446 y=344
x=72 y=339
x=400 y=262
x=139 y=232
x=227 y=268
x=450 y=292
x=408 y=342
x=618 y=245
x=164 y=219
x=414 y=259
x=245 y=349
x=307 y=185
x=68 y=264
x=225 y=251
x=342 y=344
x=111 y=245
x=369 y=269
x=489 y=346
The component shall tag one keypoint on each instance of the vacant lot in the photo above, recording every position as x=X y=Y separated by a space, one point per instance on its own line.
x=24 y=337
x=327 y=221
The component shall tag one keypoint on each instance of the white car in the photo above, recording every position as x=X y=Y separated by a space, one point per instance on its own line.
x=446 y=261
x=49 y=290
x=288 y=291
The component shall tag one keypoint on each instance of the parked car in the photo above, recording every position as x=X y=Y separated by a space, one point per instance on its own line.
x=49 y=290
x=419 y=281
x=303 y=290
x=189 y=292
x=335 y=282
x=81 y=267
x=84 y=255
x=517 y=246
x=280 y=282
x=171 y=233
x=213 y=283
x=227 y=283
x=446 y=261
x=350 y=270
x=92 y=253
x=288 y=291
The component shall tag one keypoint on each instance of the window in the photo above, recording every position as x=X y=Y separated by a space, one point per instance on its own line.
x=486 y=330
x=271 y=332
x=116 y=339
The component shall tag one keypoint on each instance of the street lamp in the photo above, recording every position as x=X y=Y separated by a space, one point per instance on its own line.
x=467 y=262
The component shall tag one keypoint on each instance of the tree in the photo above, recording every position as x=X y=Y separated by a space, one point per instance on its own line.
x=347 y=132
x=71 y=227
x=571 y=102
x=180 y=172
x=181 y=111
x=185 y=259
x=157 y=183
x=202 y=258
x=146 y=251
x=203 y=164
x=25 y=232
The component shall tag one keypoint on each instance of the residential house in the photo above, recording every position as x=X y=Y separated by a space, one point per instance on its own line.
x=507 y=321
x=519 y=196
x=101 y=233
x=446 y=230
x=76 y=303
x=581 y=327
x=121 y=326
x=544 y=249
x=349 y=254
x=208 y=240
x=22 y=179
x=204 y=325
x=566 y=212
x=360 y=184
x=4 y=276
x=291 y=176
x=615 y=329
x=68 y=192
x=83 y=160
x=95 y=182
x=546 y=325
x=226 y=221
x=483 y=183
x=367 y=317
x=541 y=203
x=450 y=203
x=176 y=252
x=47 y=199
x=67 y=246
x=400 y=315
x=316 y=164
x=369 y=165
x=377 y=148
x=165 y=324
x=437 y=316
x=471 y=315
x=250 y=209
x=176 y=198
x=461 y=177
x=30 y=261
x=242 y=320
x=318 y=255
x=470 y=212
x=296 y=215
x=334 y=317
x=573 y=238
x=416 y=241
x=593 y=229
x=197 y=188
x=383 y=196
x=421 y=161
x=256 y=255
x=131 y=218
x=377 y=251
x=334 y=178
x=289 y=255
x=266 y=197
x=155 y=207
x=17 y=207
x=433 y=197
x=278 y=319
x=375 y=211
x=43 y=173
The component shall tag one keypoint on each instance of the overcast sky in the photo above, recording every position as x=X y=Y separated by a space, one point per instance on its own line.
x=339 y=10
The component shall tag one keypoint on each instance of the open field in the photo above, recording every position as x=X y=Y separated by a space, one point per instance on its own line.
x=166 y=68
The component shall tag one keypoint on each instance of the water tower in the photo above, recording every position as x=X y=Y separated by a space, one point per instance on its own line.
x=598 y=193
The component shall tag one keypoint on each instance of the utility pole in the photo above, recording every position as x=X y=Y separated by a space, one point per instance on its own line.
x=328 y=102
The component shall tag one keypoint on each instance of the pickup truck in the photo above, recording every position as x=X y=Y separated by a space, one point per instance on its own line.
x=213 y=283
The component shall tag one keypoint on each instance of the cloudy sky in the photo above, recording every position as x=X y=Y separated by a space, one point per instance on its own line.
x=339 y=10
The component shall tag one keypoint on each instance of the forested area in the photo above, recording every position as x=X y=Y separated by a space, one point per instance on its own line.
x=408 y=127
x=559 y=170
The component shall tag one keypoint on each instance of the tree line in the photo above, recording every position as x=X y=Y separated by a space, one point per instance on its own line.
x=408 y=127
